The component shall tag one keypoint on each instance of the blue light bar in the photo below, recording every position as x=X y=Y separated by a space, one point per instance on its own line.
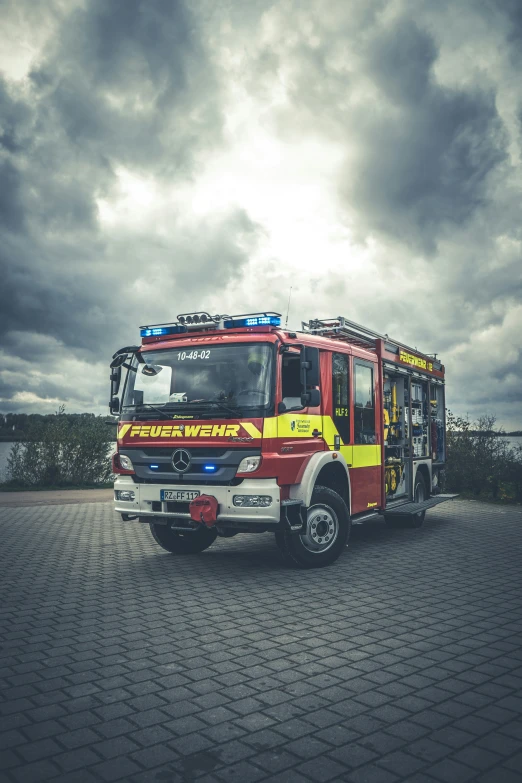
x=257 y=320
x=210 y=468
x=154 y=467
x=157 y=331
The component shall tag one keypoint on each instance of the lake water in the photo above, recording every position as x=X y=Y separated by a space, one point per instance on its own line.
x=5 y=448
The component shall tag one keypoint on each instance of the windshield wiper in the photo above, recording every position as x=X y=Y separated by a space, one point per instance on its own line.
x=216 y=404
x=148 y=405
x=192 y=407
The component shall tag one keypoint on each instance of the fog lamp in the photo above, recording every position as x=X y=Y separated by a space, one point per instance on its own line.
x=125 y=494
x=252 y=501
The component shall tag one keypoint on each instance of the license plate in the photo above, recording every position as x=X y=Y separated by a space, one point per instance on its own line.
x=181 y=495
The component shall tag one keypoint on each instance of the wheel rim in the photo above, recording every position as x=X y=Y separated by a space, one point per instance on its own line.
x=322 y=529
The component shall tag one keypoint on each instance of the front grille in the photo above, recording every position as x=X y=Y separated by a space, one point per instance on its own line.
x=196 y=452
x=154 y=465
x=157 y=452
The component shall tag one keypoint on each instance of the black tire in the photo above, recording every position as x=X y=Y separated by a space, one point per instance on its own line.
x=327 y=532
x=411 y=520
x=189 y=543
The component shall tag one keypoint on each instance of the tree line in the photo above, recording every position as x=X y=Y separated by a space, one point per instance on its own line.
x=17 y=426
x=60 y=450
x=480 y=462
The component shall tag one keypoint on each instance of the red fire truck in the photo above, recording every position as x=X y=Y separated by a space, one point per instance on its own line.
x=231 y=424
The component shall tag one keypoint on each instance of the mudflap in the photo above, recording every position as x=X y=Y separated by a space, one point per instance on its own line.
x=293 y=515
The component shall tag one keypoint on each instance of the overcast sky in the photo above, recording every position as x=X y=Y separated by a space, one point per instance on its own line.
x=158 y=157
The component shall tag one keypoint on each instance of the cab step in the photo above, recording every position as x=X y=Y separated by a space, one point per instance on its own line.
x=414 y=508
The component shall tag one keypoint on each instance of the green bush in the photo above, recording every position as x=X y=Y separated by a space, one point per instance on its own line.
x=62 y=450
x=481 y=462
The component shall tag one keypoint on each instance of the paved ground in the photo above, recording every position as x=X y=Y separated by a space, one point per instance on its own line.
x=403 y=661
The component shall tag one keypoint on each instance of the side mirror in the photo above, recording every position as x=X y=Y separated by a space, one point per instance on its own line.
x=118 y=361
x=114 y=405
x=309 y=366
x=115 y=381
x=121 y=356
x=311 y=398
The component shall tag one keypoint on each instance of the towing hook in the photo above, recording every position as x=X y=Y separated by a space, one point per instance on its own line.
x=207 y=523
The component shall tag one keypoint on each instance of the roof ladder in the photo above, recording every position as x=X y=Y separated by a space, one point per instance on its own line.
x=343 y=328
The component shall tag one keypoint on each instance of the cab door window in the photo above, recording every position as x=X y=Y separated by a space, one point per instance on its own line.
x=364 y=407
x=341 y=395
x=290 y=380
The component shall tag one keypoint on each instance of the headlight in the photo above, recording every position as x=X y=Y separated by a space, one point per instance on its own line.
x=261 y=501
x=249 y=464
x=125 y=494
x=125 y=462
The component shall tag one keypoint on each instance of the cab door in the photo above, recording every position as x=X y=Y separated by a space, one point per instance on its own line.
x=365 y=472
x=337 y=419
x=338 y=429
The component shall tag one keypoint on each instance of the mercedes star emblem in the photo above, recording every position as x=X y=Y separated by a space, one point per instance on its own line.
x=181 y=460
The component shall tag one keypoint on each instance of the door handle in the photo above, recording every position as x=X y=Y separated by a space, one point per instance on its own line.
x=316 y=433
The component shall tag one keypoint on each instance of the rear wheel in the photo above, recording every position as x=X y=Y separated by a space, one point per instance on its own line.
x=411 y=520
x=420 y=495
x=325 y=535
x=189 y=543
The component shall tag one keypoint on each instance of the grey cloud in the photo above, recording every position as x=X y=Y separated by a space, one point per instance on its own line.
x=400 y=59
x=427 y=151
x=11 y=207
x=505 y=12
x=121 y=78
x=89 y=302
x=422 y=155
x=125 y=83
x=15 y=121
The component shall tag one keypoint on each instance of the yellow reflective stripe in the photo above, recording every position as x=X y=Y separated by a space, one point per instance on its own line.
x=270 y=427
x=361 y=456
x=251 y=429
x=358 y=456
x=366 y=456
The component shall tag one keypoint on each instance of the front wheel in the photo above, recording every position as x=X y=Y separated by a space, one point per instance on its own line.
x=189 y=543
x=325 y=535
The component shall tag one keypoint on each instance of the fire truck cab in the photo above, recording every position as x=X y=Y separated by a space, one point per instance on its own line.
x=231 y=424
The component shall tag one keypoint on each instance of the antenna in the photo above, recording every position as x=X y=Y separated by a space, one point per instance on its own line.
x=288 y=308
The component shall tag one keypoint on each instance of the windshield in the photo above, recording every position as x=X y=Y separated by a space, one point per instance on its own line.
x=224 y=378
